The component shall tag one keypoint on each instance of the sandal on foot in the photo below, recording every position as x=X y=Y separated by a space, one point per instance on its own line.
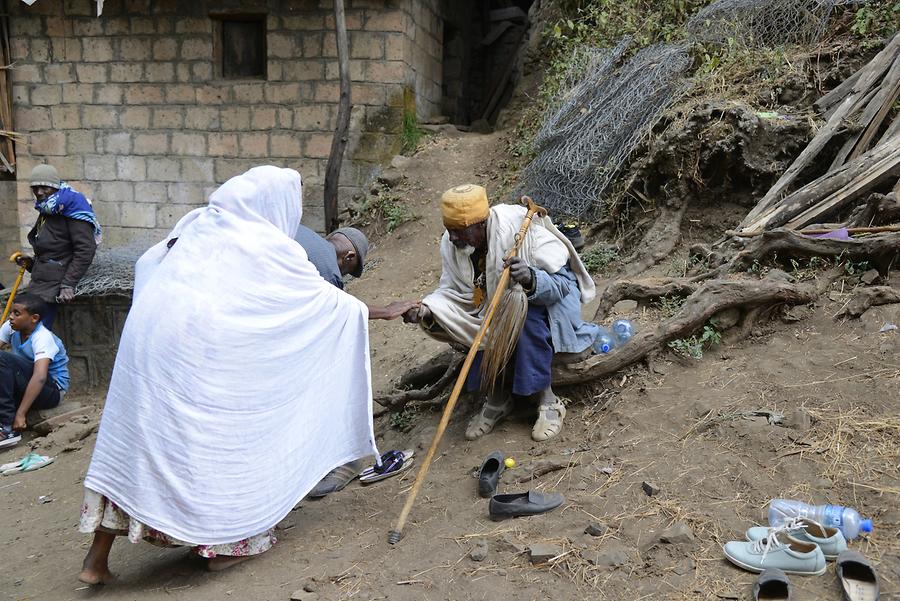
x=549 y=422
x=490 y=415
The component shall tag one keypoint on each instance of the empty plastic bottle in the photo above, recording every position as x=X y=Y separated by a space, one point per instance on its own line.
x=605 y=341
x=624 y=330
x=846 y=519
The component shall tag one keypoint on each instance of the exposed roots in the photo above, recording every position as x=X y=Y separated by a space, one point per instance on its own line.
x=711 y=298
x=865 y=298
x=640 y=291
x=658 y=243
x=431 y=390
x=879 y=249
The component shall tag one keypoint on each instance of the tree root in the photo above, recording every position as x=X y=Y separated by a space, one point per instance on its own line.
x=865 y=298
x=658 y=243
x=879 y=249
x=711 y=298
x=398 y=400
x=641 y=290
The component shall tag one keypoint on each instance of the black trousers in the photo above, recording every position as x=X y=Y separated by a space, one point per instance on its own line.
x=15 y=373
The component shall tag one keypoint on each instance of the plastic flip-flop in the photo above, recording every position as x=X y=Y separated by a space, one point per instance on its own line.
x=29 y=463
x=407 y=455
x=392 y=463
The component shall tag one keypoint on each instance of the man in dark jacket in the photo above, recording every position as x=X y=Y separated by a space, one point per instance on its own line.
x=64 y=238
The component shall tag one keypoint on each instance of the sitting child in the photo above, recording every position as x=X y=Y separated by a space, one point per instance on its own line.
x=34 y=374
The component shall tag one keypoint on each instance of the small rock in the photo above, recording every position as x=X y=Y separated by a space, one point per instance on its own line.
x=870 y=277
x=480 y=552
x=684 y=567
x=304 y=595
x=400 y=162
x=543 y=552
x=650 y=489
x=609 y=557
x=390 y=177
x=677 y=534
x=799 y=419
x=888 y=327
x=595 y=529
x=311 y=587
x=625 y=306
x=606 y=469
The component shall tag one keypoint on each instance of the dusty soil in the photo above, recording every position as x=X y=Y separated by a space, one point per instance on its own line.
x=684 y=426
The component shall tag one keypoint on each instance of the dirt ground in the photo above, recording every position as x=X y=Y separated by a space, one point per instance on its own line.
x=686 y=426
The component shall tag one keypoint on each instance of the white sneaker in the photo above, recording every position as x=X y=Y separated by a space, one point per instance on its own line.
x=777 y=550
x=830 y=540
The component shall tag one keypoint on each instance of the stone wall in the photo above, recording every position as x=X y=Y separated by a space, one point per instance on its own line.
x=130 y=108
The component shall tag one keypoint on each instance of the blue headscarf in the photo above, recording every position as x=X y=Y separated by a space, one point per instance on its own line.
x=72 y=204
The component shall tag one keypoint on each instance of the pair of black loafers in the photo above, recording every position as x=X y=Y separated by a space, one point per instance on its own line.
x=511 y=505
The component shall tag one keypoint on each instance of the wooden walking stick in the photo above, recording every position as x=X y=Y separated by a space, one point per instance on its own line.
x=15 y=288
x=396 y=534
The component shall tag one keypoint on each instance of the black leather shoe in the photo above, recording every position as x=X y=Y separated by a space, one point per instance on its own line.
x=489 y=475
x=524 y=503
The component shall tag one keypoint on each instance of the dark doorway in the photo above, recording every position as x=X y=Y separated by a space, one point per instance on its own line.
x=482 y=40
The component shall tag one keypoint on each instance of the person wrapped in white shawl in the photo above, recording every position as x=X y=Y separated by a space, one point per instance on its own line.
x=473 y=248
x=242 y=377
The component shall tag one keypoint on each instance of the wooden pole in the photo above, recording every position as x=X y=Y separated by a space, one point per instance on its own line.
x=339 y=141
x=15 y=288
x=396 y=534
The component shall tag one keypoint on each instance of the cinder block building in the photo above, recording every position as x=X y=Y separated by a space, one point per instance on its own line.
x=151 y=105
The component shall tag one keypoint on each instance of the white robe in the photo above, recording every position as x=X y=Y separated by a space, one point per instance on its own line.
x=242 y=377
x=544 y=247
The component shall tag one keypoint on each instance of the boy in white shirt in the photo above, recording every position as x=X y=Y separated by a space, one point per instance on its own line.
x=34 y=373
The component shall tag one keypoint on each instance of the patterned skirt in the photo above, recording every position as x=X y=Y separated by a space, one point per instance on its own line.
x=99 y=514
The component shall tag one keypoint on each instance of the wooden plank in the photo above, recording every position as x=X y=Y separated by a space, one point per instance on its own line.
x=888 y=170
x=839 y=93
x=880 y=104
x=875 y=69
x=504 y=78
x=824 y=186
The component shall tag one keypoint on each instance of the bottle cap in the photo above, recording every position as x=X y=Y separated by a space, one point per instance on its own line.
x=865 y=526
x=605 y=347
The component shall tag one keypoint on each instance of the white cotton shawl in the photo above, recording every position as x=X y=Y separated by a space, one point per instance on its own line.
x=544 y=247
x=242 y=377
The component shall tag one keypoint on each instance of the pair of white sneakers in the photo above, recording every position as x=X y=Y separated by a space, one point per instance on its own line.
x=800 y=546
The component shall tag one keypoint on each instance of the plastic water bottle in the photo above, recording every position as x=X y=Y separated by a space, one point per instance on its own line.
x=624 y=330
x=846 y=519
x=605 y=341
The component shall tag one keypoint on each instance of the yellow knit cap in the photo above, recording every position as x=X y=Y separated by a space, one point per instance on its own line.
x=463 y=206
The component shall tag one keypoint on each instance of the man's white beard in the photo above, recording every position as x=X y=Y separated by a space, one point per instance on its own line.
x=466 y=250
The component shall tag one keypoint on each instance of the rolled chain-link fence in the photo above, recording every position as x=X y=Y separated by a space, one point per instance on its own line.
x=759 y=23
x=595 y=125
x=603 y=111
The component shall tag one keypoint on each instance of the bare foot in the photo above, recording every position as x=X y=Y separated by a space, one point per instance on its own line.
x=91 y=576
x=95 y=569
x=223 y=562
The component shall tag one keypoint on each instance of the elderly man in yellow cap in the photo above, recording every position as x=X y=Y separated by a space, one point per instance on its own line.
x=473 y=248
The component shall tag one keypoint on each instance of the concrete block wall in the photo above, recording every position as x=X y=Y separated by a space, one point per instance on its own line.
x=129 y=108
